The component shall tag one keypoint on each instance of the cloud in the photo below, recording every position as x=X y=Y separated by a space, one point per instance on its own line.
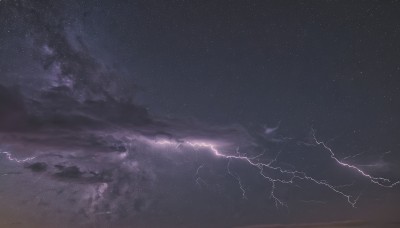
x=37 y=166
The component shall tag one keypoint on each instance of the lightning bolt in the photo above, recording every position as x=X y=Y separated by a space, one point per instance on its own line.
x=353 y=156
x=11 y=158
x=234 y=175
x=291 y=175
x=384 y=182
x=197 y=177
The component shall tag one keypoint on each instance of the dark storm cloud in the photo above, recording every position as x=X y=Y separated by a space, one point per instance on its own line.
x=70 y=111
x=58 y=107
x=37 y=167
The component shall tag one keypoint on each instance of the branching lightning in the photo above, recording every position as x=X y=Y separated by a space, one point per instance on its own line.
x=11 y=158
x=234 y=175
x=384 y=182
x=197 y=177
x=288 y=176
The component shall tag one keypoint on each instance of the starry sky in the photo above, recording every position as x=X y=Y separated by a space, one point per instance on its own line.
x=228 y=113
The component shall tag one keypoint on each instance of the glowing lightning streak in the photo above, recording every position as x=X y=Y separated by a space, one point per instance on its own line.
x=375 y=180
x=293 y=174
x=353 y=156
x=260 y=166
x=9 y=157
x=198 y=169
x=197 y=176
x=234 y=175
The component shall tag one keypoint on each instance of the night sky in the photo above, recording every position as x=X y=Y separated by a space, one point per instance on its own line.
x=240 y=113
